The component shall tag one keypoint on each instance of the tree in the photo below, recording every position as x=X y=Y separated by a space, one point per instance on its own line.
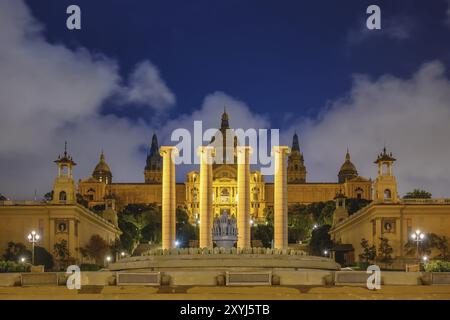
x=369 y=252
x=385 y=251
x=48 y=196
x=81 y=200
x=320 y=240
x=15 y=250
x=185 y=230
x=263 y=232
x=354 y=204
x=96 y=249
x=268 y=215
x=300 y=223
x=426 y=246
x=441 y=244
x=418 y=194
x=61 y=250
x=43 y=257
x=98 y=209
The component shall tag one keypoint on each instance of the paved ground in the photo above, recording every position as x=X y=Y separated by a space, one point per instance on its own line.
x=227 y=293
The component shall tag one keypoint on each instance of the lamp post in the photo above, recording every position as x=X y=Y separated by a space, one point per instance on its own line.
x=418 y=237
x=33 y=237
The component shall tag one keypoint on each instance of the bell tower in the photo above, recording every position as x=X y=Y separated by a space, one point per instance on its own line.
x=385 y=183
x=153 y=166
x=64 y=187
x=340 y=213
x=296 y=171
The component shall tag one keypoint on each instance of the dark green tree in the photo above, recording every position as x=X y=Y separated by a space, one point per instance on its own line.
x=185 y=230
x=418 y=194
x=353 y=204
x=61 y=250
x=15 y=250
x=263 y=232
x=268 y=215
x=48 y=196
x=385 y=251
x=320 y=240
x=300 y=223
x=43 y=257
x=96 y=249
x=369 y=253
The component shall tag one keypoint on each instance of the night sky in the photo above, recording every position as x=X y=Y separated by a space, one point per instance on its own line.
x=139 y=67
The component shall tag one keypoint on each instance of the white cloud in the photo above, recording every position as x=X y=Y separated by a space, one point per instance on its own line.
x=147 y=87
x=394 y=28
x=49 y=93
x=411 y=116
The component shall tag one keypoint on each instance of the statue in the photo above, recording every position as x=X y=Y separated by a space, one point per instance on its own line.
x=224 y=231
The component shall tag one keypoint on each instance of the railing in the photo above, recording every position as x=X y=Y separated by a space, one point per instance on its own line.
x=433 y=201
x=22 y=202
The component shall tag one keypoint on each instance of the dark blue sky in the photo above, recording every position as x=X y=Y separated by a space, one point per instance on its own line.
x=277 y=56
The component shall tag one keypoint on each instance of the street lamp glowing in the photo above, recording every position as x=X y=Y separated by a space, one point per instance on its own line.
x=252 y=222
x=33 y=237
x=122 y=254
x=418 y=237
x=325 y=252
x=315 y=226
x=177 y=243
x=425 y=259
x=22 y=259
x=108 y=258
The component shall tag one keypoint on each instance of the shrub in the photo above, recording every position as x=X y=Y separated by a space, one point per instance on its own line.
x=437 y=266
x=89 y=267
x=11 y=266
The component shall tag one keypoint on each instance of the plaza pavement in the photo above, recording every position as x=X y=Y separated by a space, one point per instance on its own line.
x=226 y=293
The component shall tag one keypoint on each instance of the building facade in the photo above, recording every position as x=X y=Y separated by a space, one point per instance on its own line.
x=388 y=217
x=61 y=218
x=94 y=189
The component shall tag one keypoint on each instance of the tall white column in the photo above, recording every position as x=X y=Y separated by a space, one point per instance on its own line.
x=168 y=197
x=243 y=199
x=206 y=155
x=280 y=198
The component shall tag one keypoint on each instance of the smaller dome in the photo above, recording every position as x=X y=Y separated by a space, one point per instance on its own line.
x=348 y=170
x=102 y=166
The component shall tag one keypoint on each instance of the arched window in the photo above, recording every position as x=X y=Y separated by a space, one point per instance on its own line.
x=62 y=196
x=387 y=194
x=359 y=193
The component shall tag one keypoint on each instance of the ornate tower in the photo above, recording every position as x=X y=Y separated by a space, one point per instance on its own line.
x=226 y=148
x=64 y=187
x=385 y=183
x=153 y=167
x=102 y=172
x=296 y=171
x=348 y=170
x=110 y=212
x=340 y=213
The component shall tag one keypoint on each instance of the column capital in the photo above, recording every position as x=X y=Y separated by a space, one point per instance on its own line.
x=206 y=154
x=168 y=150
x=244 y=149
x=281 y=149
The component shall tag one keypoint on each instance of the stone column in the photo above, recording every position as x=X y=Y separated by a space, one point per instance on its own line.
x=243 y=200
x=280 y=198
x=168 y=197
x=206 y=155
